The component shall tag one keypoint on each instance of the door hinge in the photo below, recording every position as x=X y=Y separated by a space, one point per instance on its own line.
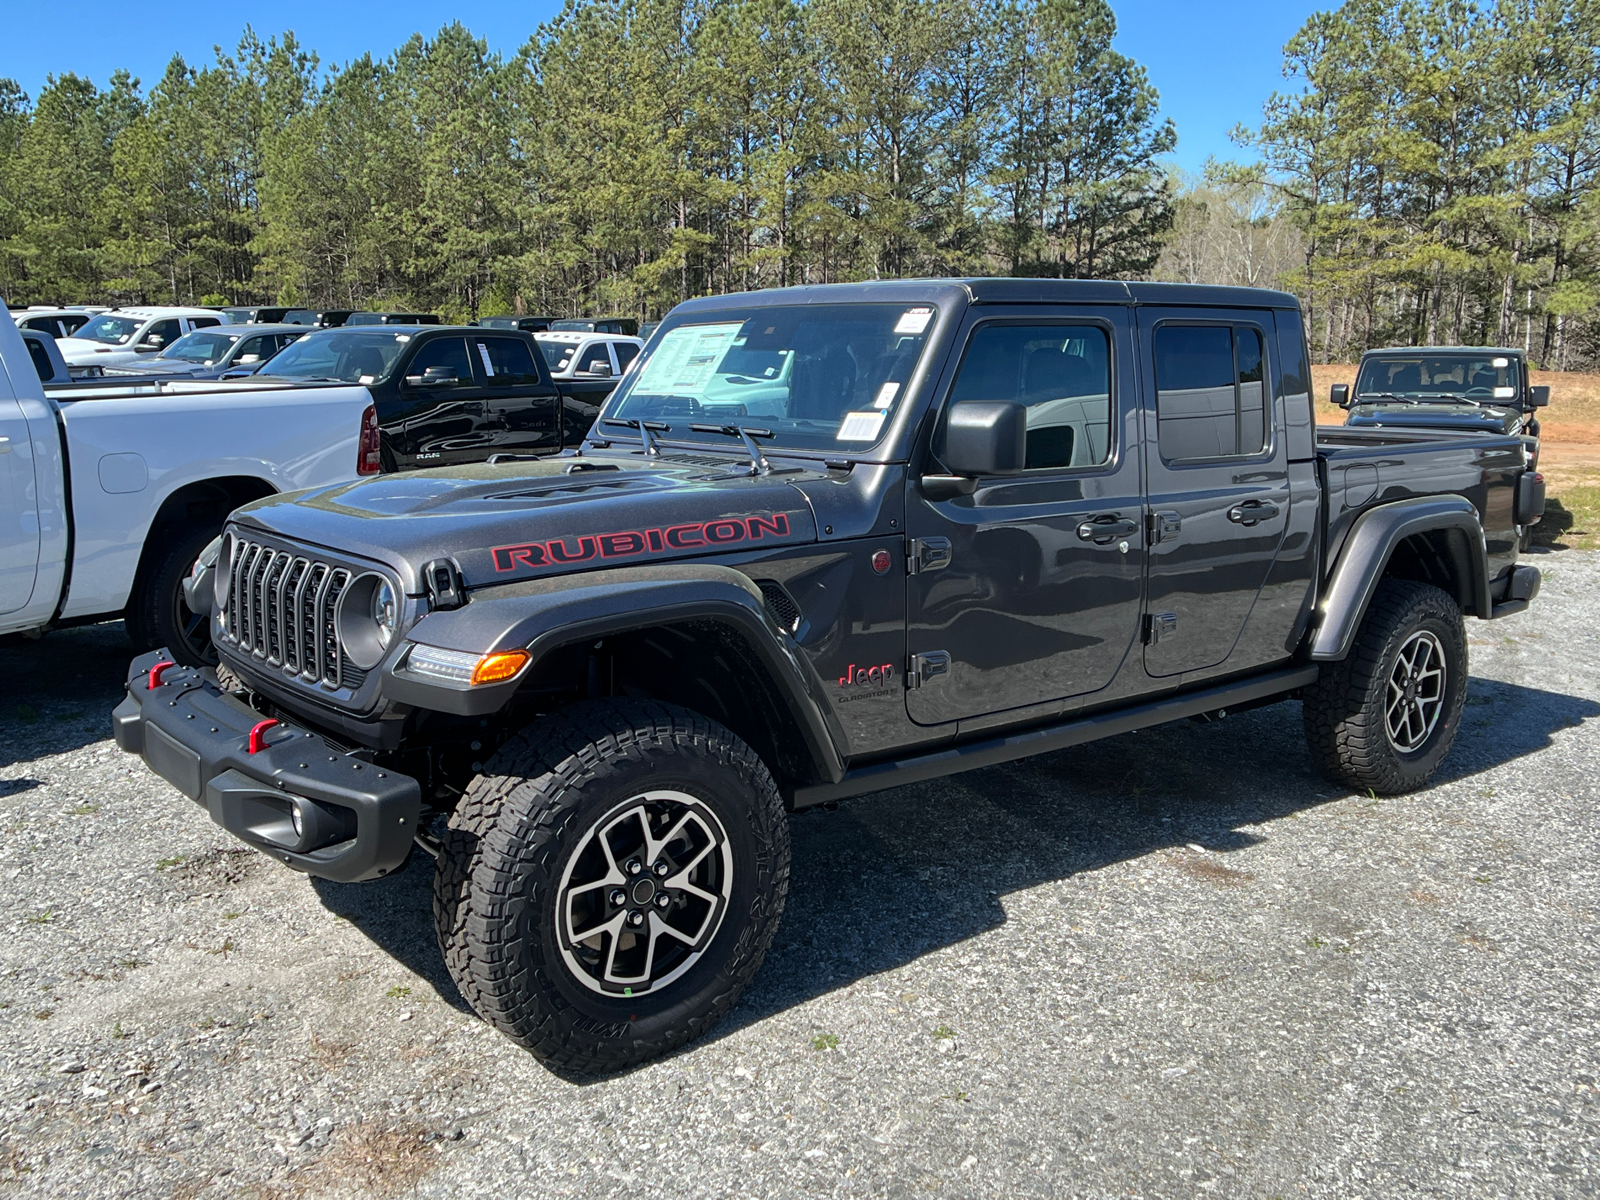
x=1164 y=526
x=1158 y=626
x=926 y=667
x=927 y=554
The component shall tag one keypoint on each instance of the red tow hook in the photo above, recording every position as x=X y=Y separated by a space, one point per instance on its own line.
x=155 y=674
x=258 y=734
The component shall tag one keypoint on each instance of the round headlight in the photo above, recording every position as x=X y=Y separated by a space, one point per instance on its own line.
x=368 y=619
x=384 y=615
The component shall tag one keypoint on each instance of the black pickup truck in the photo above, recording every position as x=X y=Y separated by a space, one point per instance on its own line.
x=445 y=395
x=823 y=541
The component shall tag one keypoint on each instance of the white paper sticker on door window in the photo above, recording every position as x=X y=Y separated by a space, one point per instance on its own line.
x=1499 y=362
x=488 y=367
x=914 y=320
x=1504 y=393
x=860 y=426
x=886 y=395
x=686 y=359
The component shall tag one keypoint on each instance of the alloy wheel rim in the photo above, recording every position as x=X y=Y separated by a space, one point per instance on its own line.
x=1415 y=697
x=643 y=894
x=193 y=629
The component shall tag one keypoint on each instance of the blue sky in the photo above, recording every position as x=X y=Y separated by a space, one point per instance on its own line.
x=1214 y=62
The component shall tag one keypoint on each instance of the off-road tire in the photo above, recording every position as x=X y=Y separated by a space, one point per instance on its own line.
x=505 y=847
x=1344 y=709
x=157 y=614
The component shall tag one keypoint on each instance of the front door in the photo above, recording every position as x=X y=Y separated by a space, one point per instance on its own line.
x=440 y=415
x=19 y=509
x=1217 y=466
x=1028 y=590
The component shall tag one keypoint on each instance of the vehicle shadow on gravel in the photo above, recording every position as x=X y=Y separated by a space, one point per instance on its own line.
x=60 y=690
x=890 y=877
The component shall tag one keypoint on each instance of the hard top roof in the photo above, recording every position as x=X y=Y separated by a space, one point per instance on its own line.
x=1001 y=290
x=1507 y=350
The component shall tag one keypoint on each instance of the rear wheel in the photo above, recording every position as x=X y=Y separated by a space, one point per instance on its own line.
x=158 y=615
x=1385 y=716
x=611 y=882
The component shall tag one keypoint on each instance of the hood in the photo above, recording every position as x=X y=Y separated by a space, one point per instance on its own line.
x=515 y=521
x=1461 y=418
x=82 y=351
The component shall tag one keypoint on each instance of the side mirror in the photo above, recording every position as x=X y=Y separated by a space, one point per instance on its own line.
x=248 y=358
x=1339 y=394
x=600 y=370
x=432 y=376
x=986 y=438
x=1539 y=395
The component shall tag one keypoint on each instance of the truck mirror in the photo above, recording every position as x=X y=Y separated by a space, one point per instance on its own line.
x=1539 y=396
x=985 y=437
x=432 y=376
x=1339 y=393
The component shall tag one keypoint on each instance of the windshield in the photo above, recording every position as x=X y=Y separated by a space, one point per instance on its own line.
x=557 y=355
x=200 y=347
x=341 y=355
x=113 y=331
x=820 y=377
x=1422 y=376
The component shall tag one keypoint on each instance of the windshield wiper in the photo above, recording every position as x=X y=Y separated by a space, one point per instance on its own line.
x=758 y=461
x=644 y=428
x=1457 y=396
x=1385 y=396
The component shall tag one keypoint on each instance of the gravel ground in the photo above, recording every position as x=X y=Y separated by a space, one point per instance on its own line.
x=1171 y=963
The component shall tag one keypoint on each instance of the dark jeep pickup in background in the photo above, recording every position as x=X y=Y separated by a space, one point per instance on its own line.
x=1460 y=388
x=822 y=541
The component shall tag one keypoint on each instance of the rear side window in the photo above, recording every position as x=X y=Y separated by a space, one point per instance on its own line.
x=1210 y=398
x=507 y=362
x=626 y=353
x=1062 y=373
x=41 y=361
x=558 y=354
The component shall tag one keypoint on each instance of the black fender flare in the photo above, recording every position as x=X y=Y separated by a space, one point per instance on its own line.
x=1367 y=549
x=541 y=615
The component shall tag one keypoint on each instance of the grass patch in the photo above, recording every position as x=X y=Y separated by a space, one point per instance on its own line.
x=83 y=810
x=825 y=1041
x=397 y=992
x=25 y=713
x=166 y=864
x=944 y=1033
x=43 y=918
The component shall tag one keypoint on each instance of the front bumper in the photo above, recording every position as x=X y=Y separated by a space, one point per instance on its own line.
x=356 y=821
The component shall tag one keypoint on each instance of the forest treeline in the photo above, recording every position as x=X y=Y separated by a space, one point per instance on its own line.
x=1426 y=174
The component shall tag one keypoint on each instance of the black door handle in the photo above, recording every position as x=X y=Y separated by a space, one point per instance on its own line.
x=1252 y=512
x=1104 y=530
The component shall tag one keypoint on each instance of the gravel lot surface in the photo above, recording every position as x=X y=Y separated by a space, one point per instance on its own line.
x=1172 y=963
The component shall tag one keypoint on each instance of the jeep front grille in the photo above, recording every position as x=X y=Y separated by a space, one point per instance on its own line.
x=281 y=610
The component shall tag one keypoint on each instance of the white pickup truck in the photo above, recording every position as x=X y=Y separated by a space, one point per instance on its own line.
x=108 y=492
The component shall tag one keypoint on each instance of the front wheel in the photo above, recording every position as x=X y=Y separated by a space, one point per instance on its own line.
x=159 y=615
x=611 y=882
x=1385 y=716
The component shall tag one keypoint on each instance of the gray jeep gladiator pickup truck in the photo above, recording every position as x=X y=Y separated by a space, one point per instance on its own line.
x=822 y=541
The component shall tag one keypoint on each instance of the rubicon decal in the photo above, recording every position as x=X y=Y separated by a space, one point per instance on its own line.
x=629 y=542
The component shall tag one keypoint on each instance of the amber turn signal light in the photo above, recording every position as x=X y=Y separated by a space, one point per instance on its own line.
x=499 y=666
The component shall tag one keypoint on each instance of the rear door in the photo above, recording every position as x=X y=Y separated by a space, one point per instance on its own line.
x=523 y=411
x=1217 y=465
x=1028 y=590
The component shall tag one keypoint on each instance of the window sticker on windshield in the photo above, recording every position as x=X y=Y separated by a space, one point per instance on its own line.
x=861 y=426
x=914 y=320
x=886 y=395
x=1504 y=393
x=1499 y=362
x=402 y=338
x=687 y=358
x=483 y=353
x=366 y=379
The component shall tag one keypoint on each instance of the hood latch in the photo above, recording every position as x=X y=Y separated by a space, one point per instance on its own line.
x=442 y=579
